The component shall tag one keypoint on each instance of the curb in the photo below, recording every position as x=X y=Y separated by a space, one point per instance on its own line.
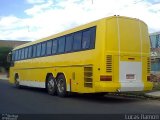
x=140 y=96
x=151 y=95
x=4 y=79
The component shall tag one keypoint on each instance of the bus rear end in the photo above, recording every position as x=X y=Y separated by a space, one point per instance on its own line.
x=127 y=56
x=134 y=59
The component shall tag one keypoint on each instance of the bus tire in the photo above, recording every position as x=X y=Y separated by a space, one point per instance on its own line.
x=17 y=84
x=61 y=86
x=51 y=85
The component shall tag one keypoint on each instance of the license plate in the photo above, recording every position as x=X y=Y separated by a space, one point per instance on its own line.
x=130 y=76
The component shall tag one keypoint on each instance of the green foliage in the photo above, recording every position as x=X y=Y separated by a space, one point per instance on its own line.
x=3 y=57
x=156 y=85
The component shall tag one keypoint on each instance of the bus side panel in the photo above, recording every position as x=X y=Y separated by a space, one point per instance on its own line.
x=110 y=58
x=146 y=60
x=11 y=75
x=146 y=72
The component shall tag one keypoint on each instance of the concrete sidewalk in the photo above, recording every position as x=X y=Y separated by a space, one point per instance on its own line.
x=3 y=77
x=155 y=94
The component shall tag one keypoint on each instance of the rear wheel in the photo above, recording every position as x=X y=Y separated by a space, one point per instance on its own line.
x=51 y=85
x=61 y=86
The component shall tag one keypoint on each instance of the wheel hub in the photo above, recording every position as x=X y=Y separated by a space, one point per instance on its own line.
x=60 y=85
x=51 y=84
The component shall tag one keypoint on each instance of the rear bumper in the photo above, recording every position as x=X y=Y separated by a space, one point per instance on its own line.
x=137 y=86
x=122 y=87
x=131 y=86
x=107 y=87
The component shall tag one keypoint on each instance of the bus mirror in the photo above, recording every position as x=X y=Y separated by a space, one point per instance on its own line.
x=9 y=57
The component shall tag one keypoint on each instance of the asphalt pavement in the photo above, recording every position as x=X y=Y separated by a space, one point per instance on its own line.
x=37 y=101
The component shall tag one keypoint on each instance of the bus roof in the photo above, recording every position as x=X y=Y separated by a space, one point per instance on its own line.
x=72 y=30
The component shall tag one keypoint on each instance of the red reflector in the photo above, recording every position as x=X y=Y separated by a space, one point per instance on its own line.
x=148 y=78
x=105 y=78
x=131 y=58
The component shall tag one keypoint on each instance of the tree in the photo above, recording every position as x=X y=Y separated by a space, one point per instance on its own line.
x=3 y=57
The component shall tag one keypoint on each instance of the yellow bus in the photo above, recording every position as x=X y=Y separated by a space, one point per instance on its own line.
x=108 y=55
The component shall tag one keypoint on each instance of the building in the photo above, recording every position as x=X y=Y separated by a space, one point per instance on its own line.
x=8 y=43
x=11 y=43
x=155 y=51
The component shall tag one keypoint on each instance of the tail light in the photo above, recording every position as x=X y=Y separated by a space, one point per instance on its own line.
x=105 y=78
x=149 y=78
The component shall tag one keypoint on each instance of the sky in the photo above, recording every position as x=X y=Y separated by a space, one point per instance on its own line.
x=29 y=20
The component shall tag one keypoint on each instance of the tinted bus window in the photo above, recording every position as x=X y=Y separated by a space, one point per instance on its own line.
x=30 y=52
x=26 y=53
x=54 y=47
x=38 y=50
x=43 y=49
x=34 y=51
x=19 y=54
x=16 y=57
x=86 y=39
x=69 y=43
x=77 y=41
x=22 y=54
x=49 y=47
x=61 y=44
x=93 y=37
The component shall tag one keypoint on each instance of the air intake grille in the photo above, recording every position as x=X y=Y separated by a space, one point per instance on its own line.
x=109 y=63
x=148 y=65
x=88 y=76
